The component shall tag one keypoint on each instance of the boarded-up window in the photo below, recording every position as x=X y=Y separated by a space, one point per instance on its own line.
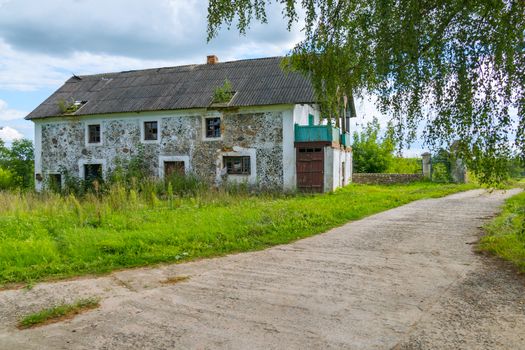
x=174 y=168
x=237 y=165
x=151 y=131
x=213 y=127
x=94 y=133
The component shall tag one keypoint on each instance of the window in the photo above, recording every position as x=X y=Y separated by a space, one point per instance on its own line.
x=173 y=168
x=237 y=165
x=310 y=150
x=92 y=172
x=94 y=133
x=151 y=131
x=55 y=182
x=213 y=127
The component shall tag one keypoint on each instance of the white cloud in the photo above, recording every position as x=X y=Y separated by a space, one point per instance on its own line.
x=9 y=134
x=7 y=114
x=41 y=45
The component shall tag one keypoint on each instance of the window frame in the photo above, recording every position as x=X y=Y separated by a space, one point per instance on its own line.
x=98 y=165
x=83 y=162
x=245 y=164
x=205 y=127
x=94 y=139
x=162 y=159
x=148 y=131
x=142 y=122
x=87 y=136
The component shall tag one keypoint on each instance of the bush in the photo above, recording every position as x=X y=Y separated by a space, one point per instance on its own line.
x=400 y=165
x=6 y=179
x=184 y=185
x=372 y=153
x=224 y=93
x=19 y=161
x=440 y=173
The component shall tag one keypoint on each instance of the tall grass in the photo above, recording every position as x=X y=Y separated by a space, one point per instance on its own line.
x=506 y=233
x=52 y=236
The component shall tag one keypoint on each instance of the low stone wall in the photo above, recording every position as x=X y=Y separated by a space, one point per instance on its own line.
x=385 y=179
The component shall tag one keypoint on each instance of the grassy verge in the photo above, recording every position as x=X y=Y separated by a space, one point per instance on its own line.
x=57 y=313
x=506 y=233
x=43 y=237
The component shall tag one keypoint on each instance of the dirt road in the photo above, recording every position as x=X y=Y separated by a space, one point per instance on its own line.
x=407 y=278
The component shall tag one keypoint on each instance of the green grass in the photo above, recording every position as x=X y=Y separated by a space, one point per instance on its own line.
x=57 y=313
x=49 y=236
x=506 y=233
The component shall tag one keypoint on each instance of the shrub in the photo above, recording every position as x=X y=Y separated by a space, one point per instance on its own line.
x=7 y=180
x=224 y=93
x=371 y=152
x=440 y=173
x=185 y=185
x=19 y=161
x=400 y=165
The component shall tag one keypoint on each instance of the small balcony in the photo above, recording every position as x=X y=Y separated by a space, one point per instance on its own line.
x=345 y=140
x=317 y=133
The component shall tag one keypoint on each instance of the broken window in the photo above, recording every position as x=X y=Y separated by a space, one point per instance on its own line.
x=213 y=127
x=55 y=182
x=237 y=165
x=94 y=133
x=151 y=131
x=92 y=172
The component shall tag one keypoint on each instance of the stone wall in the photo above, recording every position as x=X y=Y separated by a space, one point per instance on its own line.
x=64 y=148
x=385 y=179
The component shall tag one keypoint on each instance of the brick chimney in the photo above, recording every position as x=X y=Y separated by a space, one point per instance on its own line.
x=212 y=59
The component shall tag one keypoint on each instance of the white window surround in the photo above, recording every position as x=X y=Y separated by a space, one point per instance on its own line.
x=203 y=126
x=153 y=119
x=185 y=159
x=241 y=152
x=86 y=133
x=83 y=162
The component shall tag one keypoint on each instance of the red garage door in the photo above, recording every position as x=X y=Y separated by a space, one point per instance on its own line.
x=310 y=169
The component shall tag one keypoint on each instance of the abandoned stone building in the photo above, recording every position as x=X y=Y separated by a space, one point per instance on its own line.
x=266 y=133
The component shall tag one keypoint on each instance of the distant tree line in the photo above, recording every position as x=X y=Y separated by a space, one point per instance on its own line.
x=374 y=152
x=17 y=165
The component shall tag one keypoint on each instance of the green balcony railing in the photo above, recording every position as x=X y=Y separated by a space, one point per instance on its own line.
x=345 y=139
x=314 y=133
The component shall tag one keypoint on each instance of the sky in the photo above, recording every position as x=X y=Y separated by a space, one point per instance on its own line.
x=43 y=43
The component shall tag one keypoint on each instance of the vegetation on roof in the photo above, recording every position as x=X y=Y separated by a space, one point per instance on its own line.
x=224 y=93
x=68 y=107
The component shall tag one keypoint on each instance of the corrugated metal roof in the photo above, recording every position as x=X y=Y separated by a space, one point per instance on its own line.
x=257 y=82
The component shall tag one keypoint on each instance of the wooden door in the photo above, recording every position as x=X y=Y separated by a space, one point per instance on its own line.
x=310 y=169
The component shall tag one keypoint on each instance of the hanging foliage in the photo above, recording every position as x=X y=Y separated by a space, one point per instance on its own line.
x=458 y=66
